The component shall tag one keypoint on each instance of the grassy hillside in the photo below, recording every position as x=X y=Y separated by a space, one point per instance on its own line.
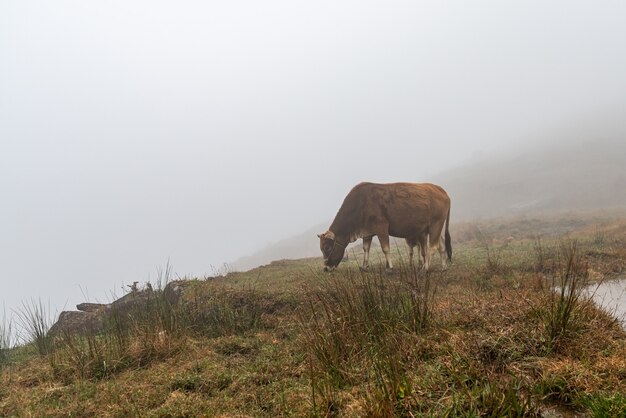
x=487 y=337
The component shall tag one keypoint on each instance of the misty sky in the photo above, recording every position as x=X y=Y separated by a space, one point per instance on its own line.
x=133 y=132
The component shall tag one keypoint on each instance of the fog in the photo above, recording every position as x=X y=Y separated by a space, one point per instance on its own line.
x=133 y=133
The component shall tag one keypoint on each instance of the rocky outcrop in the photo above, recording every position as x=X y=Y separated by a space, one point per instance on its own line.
x=77 y=322
x=92 y=318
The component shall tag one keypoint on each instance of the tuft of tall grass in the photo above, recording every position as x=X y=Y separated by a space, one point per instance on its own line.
x=613 y=405
x=6 y=338
x=566 y=294
x=354 y=325
x=599 y=236
x=390 y=385
x=492 y=399
x=35 y=319
x=557 y=389
x=493 y=259
x=540 y=255
x=86 y=357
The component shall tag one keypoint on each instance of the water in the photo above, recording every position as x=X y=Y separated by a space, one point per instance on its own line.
x=611 y=296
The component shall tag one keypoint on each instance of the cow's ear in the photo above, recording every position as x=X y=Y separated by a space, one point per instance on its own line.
x=327 y=235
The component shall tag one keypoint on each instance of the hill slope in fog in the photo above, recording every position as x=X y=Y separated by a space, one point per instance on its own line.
x=299 y=246
x=572 y=175
x=581 y=175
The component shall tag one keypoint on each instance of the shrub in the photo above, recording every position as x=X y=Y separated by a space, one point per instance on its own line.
x=35 y=320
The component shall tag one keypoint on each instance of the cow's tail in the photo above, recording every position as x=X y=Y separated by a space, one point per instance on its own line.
x=447 y=237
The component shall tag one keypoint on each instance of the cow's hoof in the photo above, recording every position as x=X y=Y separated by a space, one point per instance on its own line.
x=389 y=271
x=364 y=269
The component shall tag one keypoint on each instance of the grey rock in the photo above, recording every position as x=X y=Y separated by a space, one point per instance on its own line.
x=91 y=318
x=174 y=291
x=91 y=307
x=77 y=322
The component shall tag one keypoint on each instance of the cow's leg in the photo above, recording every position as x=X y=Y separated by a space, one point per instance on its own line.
x=437 y=240
x=411 y=246
x=422 y=257
x=442 y=252
x=384 y=244
x=425 y=247
x=367 y=243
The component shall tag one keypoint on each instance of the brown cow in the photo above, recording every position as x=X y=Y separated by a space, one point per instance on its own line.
x=416 y=212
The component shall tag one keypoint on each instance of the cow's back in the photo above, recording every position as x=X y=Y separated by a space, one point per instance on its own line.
x=412 y=208
x=405 y=210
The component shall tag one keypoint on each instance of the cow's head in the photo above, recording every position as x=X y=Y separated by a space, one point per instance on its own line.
x=332 y=250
